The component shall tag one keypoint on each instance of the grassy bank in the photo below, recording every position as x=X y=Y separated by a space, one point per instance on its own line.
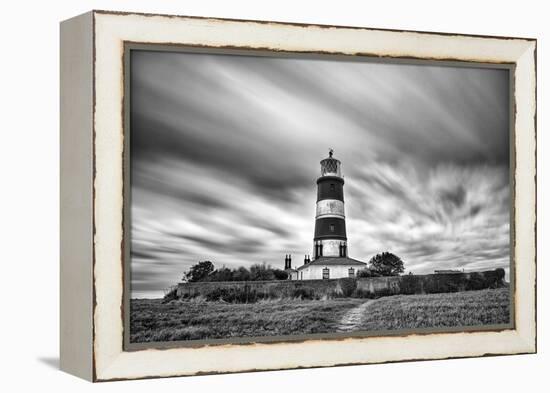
x=195 y=319
x=486 y=307
x=151 y=320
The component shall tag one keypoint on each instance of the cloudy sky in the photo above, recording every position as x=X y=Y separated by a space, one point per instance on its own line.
x=225 y=152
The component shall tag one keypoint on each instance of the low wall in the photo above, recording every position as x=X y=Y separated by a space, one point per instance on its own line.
x=431 y=283
x=279 y=288
x=360 y=287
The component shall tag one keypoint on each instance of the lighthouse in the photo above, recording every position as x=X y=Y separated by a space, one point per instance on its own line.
x=330 y=238
x=330 y=242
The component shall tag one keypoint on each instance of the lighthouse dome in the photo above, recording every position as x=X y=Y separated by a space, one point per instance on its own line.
x=330 y=166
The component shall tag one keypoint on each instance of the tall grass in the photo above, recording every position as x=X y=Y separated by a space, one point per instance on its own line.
x=484 y=307
x=248 y=294
x=195 y=319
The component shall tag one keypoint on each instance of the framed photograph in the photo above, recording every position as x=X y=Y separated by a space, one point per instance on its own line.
x=248 y=195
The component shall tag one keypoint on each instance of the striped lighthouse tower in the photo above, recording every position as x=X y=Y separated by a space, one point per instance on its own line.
x=330 y=222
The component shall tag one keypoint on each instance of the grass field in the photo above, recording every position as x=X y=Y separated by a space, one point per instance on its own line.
x=485 y=307
x=150 y=320
x=153 y=321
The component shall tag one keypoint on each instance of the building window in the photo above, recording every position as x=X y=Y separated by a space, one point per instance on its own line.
x=318 y=249
x=332 y=227
x=326 y=273
x=332 y=187
x=351 y=272
x=342 y=249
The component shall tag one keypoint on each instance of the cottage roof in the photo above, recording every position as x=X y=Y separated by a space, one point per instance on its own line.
x=333 y=261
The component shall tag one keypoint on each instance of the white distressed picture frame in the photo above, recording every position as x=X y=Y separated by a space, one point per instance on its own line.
x=92 y=151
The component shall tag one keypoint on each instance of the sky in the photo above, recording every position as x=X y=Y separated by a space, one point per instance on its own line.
x=225 y=154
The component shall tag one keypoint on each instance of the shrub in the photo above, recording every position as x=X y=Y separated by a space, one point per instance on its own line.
x=411 y=285
x=476 y=282
x=367 y=273
x=241 y=294
x=303 y=293
x=348 y=286
x=170 y=295
x=500 y=274
x=189 y=295
x=247 y=293
x=280 y=274
x=363 y=294
x=216 y=294
x=383 y=292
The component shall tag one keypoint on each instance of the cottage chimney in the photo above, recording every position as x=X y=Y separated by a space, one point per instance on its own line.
x=289 y=261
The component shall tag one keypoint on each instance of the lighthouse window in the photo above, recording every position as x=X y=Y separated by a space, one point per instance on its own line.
x=332 y=227
x=332 y=187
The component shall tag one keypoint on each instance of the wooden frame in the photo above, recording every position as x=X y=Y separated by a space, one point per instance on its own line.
x=92 y=193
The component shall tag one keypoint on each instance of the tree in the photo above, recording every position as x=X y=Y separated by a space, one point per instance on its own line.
x=261 y=272
x=205 y=271
x=386 y=264
x=280 y=274
x=367 y=273
x=240 y=274
x=222 y=274
x=199 y=272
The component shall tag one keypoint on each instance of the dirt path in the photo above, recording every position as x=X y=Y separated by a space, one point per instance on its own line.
x=352 y=319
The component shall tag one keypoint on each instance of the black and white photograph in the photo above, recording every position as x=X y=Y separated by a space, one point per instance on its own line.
x=240 y=196
x=288 y=195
